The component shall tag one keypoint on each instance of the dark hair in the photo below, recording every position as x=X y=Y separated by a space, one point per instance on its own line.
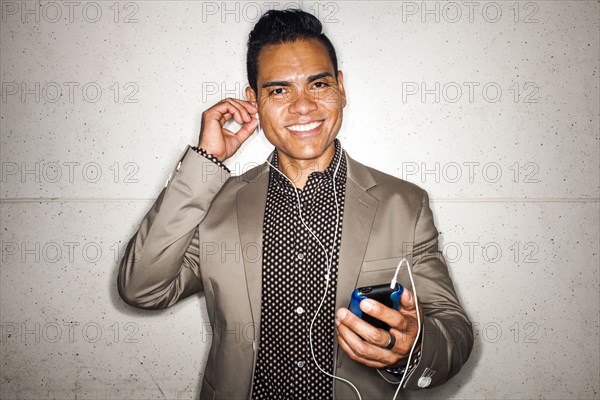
x=283 y=26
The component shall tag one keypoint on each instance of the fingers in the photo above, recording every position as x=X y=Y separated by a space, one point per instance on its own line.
x=221 y=142
x=377 y=310
x=357 y=357
x=407 y=300
x=403 y=323
x=246 y=130
x=366 y=344
x=240 y=111
x=362 y=329
x=404 y=320
x=370 y=351
x=409 y=307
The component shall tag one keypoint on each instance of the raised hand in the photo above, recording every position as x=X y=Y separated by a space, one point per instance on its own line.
x=221 y=142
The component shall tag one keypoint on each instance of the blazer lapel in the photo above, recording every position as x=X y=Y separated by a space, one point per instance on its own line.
x=251 y=201
x=359 y=212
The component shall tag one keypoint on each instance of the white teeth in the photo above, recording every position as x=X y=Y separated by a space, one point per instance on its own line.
x=305 y=127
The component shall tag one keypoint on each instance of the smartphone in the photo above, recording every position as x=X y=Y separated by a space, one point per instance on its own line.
x=384 y=294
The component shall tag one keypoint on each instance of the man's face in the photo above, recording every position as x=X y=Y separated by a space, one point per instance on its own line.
x=299 y=100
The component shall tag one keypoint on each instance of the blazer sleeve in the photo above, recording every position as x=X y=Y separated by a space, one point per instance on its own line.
x=447 y=338
x=161 y=262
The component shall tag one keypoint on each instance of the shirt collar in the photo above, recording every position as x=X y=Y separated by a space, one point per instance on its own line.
x=319 y=175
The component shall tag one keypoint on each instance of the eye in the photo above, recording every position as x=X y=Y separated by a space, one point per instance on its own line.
x=277 y=92
x=321 y=85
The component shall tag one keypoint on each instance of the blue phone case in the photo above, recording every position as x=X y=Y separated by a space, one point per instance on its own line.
x=378 y=293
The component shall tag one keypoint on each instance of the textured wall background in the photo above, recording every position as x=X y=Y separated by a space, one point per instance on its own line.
x=492 y=106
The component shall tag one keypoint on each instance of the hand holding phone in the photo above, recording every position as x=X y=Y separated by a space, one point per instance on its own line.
x=389 y=297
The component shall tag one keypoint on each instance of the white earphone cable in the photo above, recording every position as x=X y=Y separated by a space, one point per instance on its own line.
x=329 y=260
x=412 y=349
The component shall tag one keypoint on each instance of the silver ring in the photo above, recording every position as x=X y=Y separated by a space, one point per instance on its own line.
x=392 y=342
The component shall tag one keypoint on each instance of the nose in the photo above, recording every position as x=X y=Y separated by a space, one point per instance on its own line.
x=303 y=103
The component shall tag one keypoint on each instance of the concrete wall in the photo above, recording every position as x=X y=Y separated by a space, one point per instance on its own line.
x=490 y=106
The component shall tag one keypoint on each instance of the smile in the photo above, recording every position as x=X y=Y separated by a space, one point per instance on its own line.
x=305 y=127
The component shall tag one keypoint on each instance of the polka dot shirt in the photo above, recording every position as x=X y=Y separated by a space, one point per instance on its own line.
x=293 y=285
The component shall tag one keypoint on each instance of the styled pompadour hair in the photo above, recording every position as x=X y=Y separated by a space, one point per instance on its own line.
x=284 y=26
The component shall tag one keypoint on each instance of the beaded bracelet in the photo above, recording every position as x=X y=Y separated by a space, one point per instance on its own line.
x=399 y=370
x=211 y=157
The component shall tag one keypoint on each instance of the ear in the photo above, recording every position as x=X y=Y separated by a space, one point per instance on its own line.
x=250 y=95
x=341 y=90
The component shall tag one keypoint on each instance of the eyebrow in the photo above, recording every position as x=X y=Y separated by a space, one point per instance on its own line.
x=311 y=78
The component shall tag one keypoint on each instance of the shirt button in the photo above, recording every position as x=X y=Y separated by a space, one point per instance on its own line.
x=300 y=364
x=300 y=256
x=299 y=310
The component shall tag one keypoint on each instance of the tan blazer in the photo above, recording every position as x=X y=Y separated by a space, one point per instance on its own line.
x=204 y=233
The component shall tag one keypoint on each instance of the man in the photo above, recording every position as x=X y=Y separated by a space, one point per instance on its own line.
x=309 y=226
